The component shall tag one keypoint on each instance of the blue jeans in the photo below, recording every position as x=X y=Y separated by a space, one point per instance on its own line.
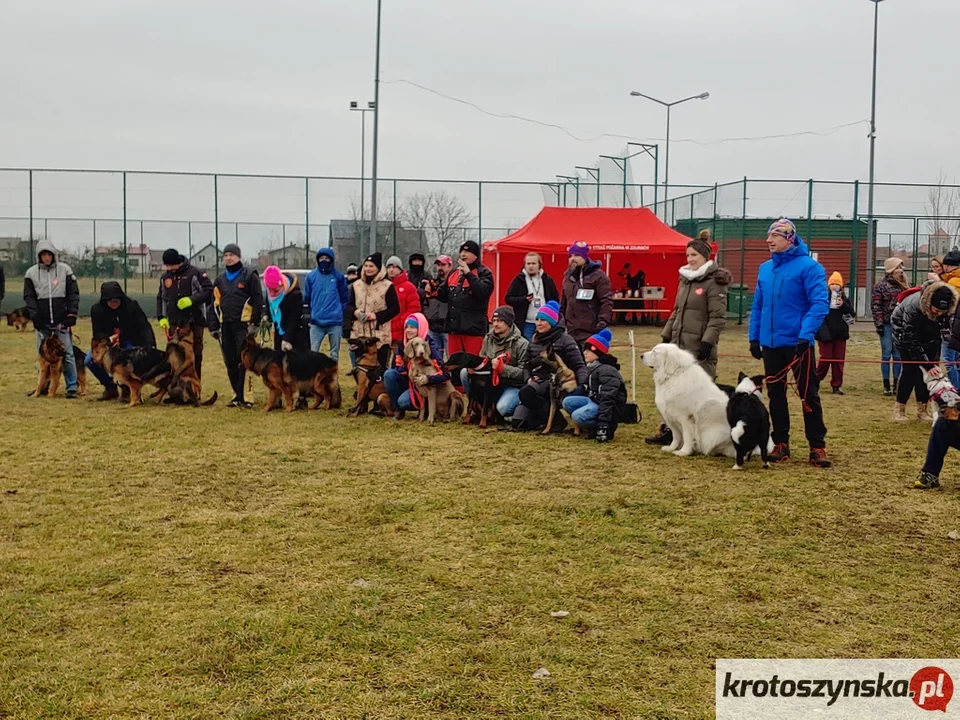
x=398 y=388
x=98 y=372
x=528 y=330
x=69 y=362
x=582 y=410
x=953 y=371
x=319 y=332
x=440 y=340
x=508 y=401
x=888 y=350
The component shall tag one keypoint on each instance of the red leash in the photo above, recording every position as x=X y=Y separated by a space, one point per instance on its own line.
x=782 y=377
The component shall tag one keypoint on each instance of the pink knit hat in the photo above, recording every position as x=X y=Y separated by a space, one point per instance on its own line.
x=273 y=278
x=421 y=323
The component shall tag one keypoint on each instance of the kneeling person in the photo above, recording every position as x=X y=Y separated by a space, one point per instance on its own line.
x=504 y=341
x=599 y=404
x=121 y=320
x=396 y=380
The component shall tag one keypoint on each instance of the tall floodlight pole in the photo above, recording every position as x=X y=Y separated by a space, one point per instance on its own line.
x=668 y=106
x=376 y=133
x=355 y=107
x=871 y=235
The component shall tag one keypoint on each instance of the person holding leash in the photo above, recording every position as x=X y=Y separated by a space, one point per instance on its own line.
x=326 y=294
x=373 y=302
x=237 y=309
x=789 y=305
x=467 y=292
x=120 y=319
x=183 y=298
x=505 y=342
x=285 y=301
x=397 y=378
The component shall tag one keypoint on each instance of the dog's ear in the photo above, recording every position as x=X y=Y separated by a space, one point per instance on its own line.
x=383 y=355
x=740 y=376
x=758 y=381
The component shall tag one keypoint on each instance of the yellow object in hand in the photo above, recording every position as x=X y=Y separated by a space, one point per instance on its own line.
x=164 y=323
x=184 y=303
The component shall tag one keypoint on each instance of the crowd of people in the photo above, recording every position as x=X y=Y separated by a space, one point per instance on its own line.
x=795 y=307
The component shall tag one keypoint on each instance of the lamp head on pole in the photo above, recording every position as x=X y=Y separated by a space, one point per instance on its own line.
x=353 y=104
x=706 y=95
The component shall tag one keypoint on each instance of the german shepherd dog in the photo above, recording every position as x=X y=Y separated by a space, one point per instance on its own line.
x=18 y=318
x=128 y=368
x=442 y=398
x=184 y=387
x=562 y=380
x=285 y=372
x=484 y=394
x=51 y=357
x=372 y=359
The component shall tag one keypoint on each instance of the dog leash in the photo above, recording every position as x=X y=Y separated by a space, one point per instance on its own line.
x=782 y=377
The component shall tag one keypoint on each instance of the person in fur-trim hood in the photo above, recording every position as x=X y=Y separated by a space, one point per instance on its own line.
x=918 y=323
x=285 y=303
x=699 y=313
x=597 y=406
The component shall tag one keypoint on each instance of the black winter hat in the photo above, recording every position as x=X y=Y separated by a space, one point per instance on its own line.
x=232 y=248
x=173 y=257
x=111 y=291
x=942 y=298
x=505 y=313
x=376 y=259
x=417 y=256
x=471 y=246
x=952 y=258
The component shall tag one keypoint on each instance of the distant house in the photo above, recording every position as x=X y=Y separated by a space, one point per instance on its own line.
x=350 y=240
x=137 y=256
x=156 y=262
x=9 y=248
x=207 y=259
x=940 y=242
x=290 y=257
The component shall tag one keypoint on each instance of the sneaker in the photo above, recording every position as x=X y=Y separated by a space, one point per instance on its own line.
x=837 y=391
x=886 y=388
x=71 y=394
x=233 y=403
x=927 y=481
x=818 y=458
x=663 y=436
x=244 y=404
x=109 y=393
x=781 y=453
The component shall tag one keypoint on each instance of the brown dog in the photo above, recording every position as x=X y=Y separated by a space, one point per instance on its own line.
x=562 y=380
x=18 y=318
x=128 y=368
x=285 y=372
x=50 y=358
x=180 y=362
x=372 y=359
x=442 y=398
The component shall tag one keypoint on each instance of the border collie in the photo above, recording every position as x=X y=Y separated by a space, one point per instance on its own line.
x=749 y=421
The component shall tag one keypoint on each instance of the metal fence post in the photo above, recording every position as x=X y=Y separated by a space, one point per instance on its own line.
x=94 y=253
x=216 y=218
x=30 y=176
x=743 y=252
x=809 y=212
x=916 y=240
x=480 y=212
x=306 y=218
x=142 y=244
x=855 y=255
x=124 y=232
x=189 y=239
x=394 y=233
x=713 y=223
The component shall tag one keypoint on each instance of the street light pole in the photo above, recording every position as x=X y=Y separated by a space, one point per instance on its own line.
x=668 y=106
x=871 y=235
x=355 y=107
x=376 y=134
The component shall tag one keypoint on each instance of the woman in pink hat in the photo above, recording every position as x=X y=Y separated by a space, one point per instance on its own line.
x=285 y=301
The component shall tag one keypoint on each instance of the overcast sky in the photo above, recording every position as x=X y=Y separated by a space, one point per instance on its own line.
x=259 y=87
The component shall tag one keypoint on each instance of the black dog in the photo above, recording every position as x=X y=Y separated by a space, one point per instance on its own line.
x=484 y=394
x=749 y=421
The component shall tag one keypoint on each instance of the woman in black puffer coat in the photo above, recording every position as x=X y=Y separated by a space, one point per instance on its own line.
x=534 y=407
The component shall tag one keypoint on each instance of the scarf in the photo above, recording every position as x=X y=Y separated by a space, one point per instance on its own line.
x=233 y=273
x=275 y=300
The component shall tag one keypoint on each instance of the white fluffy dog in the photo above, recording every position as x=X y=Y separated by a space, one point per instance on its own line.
x=691 y=404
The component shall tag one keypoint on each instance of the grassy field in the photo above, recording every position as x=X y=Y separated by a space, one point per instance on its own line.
x=174 y=562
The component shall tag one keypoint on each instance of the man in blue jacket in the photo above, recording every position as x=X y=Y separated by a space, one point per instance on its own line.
x=789 y=306
x=325 y=293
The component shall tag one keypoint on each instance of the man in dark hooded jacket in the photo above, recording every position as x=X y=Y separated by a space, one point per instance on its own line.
x=586 y=297
x=120 y=319
x=52 y=297
x=416 y=271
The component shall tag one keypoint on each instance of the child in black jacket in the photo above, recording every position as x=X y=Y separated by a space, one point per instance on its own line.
x=600 y=403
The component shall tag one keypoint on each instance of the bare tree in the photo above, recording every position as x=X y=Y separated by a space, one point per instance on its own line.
x=441 y=217
x=942 y=207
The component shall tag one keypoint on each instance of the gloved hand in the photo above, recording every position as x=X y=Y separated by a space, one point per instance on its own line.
x=704 y=352
x=603 y=434
x=215 y=334
x=69 y=321
x=251 y=330
x=420 y=380
x=286 y=346
x=184 y=303
x=802 y=347
x=115 y=339
x=398 y=361
x=880 y=331
x=755 y=349
x=164 y=324
x=499 y=361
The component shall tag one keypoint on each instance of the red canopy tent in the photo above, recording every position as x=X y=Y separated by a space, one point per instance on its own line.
x=617 y=236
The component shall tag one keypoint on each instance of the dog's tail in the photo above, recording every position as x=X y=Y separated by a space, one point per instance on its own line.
x=737 y=431
x=211 y=401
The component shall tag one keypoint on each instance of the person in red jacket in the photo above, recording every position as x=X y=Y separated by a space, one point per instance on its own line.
x=407 y=294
